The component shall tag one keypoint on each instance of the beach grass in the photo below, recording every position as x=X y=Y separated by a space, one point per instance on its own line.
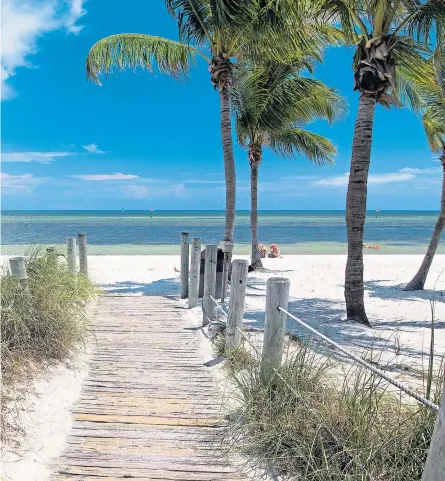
x=308 y=424
x=41 y=322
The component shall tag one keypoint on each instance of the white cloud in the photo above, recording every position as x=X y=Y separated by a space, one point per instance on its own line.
x=136 y=191
x=102 y=177
x=12 y=184
x=387 y=178
x=76 y=11
x=23 y=23
x=93 y=149
x=179 y=190
x=203 y=181
x=41 y=157
x=431 y=170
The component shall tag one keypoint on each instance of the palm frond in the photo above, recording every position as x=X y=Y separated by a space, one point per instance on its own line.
x=439 y=66
x=194 y=20
x=292 y=142
x=435 y=133
x=285 y=30
x=346 y=13
x=274 y=97
x=130 y=50
x=425 y=20
x=421 y=80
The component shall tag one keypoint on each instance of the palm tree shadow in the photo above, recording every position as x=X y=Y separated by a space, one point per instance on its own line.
x=328 y=317
x=168 y=288
x=395 y=291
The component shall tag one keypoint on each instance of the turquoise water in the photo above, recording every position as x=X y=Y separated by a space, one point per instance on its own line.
x=142 y=232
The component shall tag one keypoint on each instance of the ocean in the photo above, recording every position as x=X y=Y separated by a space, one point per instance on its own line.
x=158 y=232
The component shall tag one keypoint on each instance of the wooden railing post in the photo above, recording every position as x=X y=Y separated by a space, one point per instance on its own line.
x=208 y=307
x=435 y=462
x=71 y=255
x=83 y=258
x=277 y=295
x=236 y=303
x=195 y=265
x=184 y=265
x=227 y=248
x=18 y=269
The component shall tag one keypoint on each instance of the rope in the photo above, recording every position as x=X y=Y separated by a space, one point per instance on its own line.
x=211 y=321
x=292 y=390
x=383 y=375
x=218 y=305
x=373 y=369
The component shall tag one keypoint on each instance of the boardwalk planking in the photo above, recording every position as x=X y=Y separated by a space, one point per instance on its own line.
x=149 y=409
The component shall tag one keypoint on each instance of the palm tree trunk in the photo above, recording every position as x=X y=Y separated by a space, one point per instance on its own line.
x=255 y=154
x=418 y=281
x=356 y=209
x=229 y=162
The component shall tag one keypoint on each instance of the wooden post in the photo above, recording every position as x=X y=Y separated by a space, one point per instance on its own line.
x=184 y=265
x=227 y=248
x=83 y=259
x=71 y=254
x=51 y=255
x=236 y=303
x=208 y=306
x=18 y=269
x=434 y=469
x=277 y=295
x=195 y=265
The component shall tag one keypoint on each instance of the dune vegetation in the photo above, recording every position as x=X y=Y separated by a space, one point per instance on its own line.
x=43 y=320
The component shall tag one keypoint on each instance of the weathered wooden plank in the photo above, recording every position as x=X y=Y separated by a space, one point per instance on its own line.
x=149 y=408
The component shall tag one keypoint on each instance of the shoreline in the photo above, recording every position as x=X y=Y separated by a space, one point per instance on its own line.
x=299 y=249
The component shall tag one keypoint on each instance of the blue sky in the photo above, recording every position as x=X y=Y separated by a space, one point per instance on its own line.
x=148 y=141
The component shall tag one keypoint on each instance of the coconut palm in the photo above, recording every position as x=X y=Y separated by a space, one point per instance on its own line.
x=218 y=31
x=427 y=90
x=388 y=34
x=209 y=29
x=272 y=103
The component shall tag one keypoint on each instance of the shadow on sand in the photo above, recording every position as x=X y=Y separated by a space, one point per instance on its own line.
x=162 y=287
x=382 y=291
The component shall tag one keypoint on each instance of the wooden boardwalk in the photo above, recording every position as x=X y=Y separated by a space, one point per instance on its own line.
x=149 y=409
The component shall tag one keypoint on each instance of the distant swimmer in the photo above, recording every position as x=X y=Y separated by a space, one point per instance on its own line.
x=377 y=212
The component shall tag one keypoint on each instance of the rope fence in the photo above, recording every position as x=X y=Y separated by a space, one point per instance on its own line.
x=361 y=361
x=407 y=390
x=277 y=299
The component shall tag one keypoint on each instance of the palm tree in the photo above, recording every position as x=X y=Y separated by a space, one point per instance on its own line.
x=207 y=28
x=220 y=32
x=428 y=94
x=389 y=34
x=272 y=103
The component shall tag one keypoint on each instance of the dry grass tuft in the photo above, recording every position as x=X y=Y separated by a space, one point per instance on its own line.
x=308 y=427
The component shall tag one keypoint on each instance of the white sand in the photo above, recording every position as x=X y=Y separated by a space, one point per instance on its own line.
x=401 y=320
x=401 y=323
x=46 y=419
